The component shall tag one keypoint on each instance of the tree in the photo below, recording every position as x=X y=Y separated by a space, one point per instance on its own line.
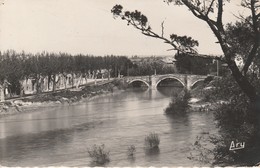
x=204 y=10
x=194 y=65
x=201 y=10
x=241 y=37
x=11 y=70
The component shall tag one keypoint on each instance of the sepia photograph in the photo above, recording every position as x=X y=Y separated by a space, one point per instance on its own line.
x=129 y=83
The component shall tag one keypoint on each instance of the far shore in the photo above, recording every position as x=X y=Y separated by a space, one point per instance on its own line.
x=52 y=99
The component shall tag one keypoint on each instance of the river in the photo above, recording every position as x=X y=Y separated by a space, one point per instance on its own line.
x=61 y=135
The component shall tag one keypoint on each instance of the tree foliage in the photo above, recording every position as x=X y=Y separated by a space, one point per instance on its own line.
x=15 y=67
x=236 y=122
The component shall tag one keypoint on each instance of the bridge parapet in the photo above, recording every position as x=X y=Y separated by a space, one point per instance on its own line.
x=130 y=78
x=152 y=81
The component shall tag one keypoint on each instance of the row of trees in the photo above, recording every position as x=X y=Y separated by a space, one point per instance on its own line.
x=15 y=67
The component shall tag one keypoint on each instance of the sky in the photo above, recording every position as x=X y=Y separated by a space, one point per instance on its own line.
x=88 y=27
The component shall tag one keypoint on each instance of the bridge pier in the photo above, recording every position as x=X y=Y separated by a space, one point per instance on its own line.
x=153 y=82
x=188 y=82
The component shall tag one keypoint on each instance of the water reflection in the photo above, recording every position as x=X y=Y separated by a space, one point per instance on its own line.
x=152 y=155
x=152 y=151
x=131 y=158
x=32 y=146
x=169 y=91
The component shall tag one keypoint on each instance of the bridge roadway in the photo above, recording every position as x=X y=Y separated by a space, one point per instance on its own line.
x=187 y=80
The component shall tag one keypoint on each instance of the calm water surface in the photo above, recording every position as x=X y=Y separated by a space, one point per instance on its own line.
x=60 y=136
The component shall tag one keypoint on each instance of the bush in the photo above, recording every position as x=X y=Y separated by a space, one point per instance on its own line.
x=98 y=154
x=179 y=104
x=131 y=151
x=237 y=122
x=152 y=141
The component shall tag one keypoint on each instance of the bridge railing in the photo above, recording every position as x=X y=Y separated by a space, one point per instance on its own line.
x=177 y=74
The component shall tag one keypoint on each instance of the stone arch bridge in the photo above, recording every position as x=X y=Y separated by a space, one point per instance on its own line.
x=152 y=81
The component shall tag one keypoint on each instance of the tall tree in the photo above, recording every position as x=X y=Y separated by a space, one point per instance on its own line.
x=201 y=9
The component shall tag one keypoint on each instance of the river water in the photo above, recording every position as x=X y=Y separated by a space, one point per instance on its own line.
x=61 y=135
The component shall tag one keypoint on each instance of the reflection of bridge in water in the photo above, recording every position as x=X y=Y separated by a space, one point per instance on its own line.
x=186 y=80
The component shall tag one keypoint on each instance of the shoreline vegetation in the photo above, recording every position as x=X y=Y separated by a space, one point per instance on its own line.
x=61 y=97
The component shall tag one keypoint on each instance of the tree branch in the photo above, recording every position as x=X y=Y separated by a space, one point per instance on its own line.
x=198 y=13
x=243 y=19
x=140 y=22
x=220 y=13
x=211 y=4
x=252 y=53
x=162 y=25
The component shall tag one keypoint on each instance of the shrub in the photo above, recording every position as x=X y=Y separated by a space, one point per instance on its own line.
x=179 y=104
x=131 y=151
x=236 y=121
x=98 y=154
x=152 y=141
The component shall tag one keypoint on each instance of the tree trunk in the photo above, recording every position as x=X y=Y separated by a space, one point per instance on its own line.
x=49 y=81
x=38 y=84
x=21 y=88
x=108 y=74
x=2 y=93
x=119 y=75
x=250 y=92
x=86 y=79
x=53 y=83
x=243 y=82
x=72 y=79
x=78 y=81
x=65 y=81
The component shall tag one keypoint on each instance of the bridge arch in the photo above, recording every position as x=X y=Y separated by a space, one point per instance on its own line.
x=199 y=80
x=170 y=77
x=139 y=80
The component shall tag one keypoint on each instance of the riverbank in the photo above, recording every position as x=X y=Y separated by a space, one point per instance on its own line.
x=68 y=96
x=200 y=99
